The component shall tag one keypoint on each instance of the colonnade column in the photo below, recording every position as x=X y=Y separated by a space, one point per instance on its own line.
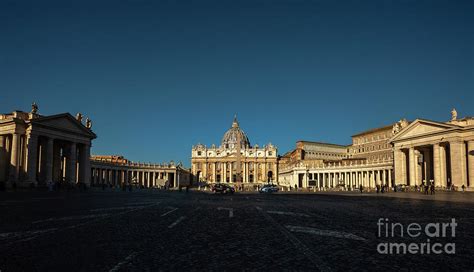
x=400 y=166
x=443 y=166
x=14 y=159
x=85 y=166
x=49 y=160
x=470 y=162
x=71 y=163
x=3 y=158
x=458 y=163
x=437 y=165
x=427 y=162
x=32 y=159
x=412 y=162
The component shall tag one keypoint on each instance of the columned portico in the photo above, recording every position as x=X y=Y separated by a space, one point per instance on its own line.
x=438 y=152
x=40 y=150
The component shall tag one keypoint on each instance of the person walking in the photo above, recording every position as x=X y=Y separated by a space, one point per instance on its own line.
x=361 y=188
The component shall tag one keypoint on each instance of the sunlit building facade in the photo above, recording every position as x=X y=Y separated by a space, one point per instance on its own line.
x=235 y=160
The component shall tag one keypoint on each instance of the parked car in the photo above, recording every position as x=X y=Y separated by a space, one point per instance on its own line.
x=269 y=188
x=223 y=188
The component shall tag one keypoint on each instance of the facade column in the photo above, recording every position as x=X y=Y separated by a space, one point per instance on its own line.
x=72 y=163
x=214 y=172
x=389 y=172
x=458 y=163
x=470 y=162
x=32 y=158
x=224 y=172
x=384 y=178
x=378 y=177
x=372 y=179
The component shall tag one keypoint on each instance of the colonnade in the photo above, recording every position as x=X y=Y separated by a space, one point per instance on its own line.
x=117 y=176
x=43 y=159
x=348 y=179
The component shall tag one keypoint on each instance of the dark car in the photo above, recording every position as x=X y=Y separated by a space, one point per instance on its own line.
x=269 y=188
x=222 y=188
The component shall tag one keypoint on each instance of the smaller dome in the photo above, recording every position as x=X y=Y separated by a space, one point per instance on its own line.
x=230 y=139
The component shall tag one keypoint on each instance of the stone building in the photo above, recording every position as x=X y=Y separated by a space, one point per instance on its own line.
x=235 y=160
x=442 y=152
x=37 y=150
x=368 y=161
x=117 y=171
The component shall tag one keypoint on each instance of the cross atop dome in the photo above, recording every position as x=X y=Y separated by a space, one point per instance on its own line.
x=235 y=123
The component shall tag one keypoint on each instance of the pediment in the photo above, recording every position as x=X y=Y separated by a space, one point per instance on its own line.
x=64 y=122
x=421 y=127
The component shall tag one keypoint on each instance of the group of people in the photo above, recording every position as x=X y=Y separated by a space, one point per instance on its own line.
x=381 y=188
x=428 y=188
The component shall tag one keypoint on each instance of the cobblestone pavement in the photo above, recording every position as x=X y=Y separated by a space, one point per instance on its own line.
x=153 y=230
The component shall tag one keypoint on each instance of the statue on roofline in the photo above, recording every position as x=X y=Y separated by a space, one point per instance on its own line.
x=88 y=123
x=454 y=114
x=34 y=108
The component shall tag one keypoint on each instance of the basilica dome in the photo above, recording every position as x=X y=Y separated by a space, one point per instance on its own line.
x=233 y=134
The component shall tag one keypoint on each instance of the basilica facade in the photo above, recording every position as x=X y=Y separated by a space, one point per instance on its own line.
x=235 y=160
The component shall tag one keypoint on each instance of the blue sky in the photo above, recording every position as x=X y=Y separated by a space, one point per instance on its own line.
x=157 y=77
